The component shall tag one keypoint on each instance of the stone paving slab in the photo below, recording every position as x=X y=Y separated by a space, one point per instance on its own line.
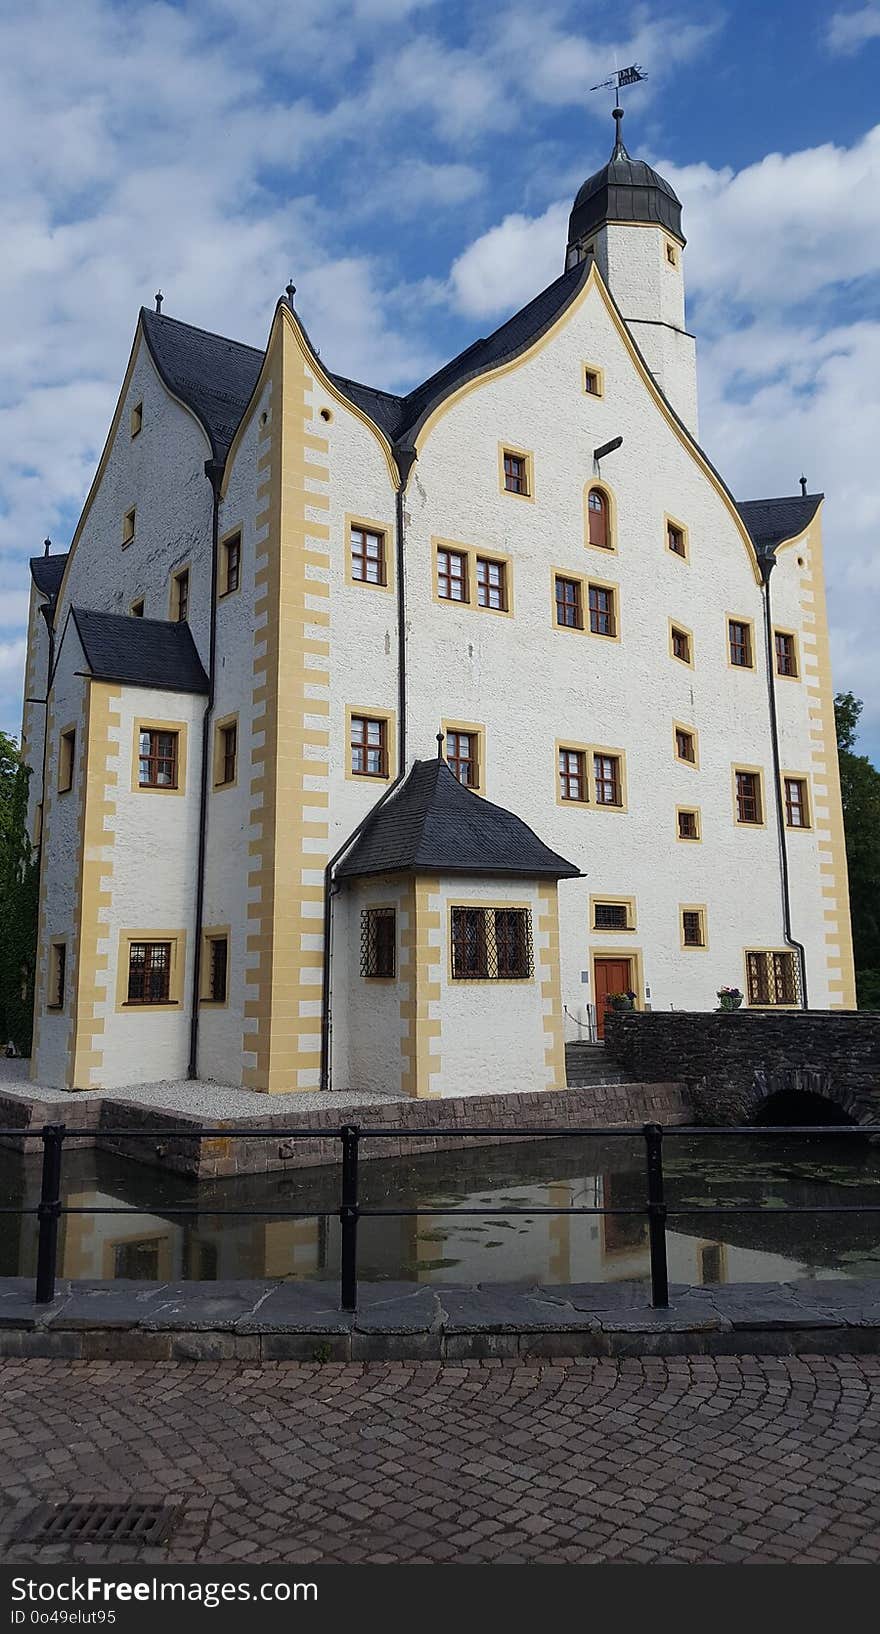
x=396 y=1320
x=680 y=1460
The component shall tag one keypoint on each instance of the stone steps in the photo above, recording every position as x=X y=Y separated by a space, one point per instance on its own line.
x=587 y=1065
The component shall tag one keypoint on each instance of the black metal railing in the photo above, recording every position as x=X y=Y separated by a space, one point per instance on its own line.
x=51 y=1207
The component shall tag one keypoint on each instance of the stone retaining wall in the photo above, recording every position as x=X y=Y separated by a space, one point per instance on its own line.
x=834 y=1053
x=187 y=1151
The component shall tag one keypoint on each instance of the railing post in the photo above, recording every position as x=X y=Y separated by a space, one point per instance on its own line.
x=348 y=1215
x=49 y=1213
x=656 y=1216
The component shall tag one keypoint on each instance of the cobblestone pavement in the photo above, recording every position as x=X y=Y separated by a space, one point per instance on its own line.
x=745 y=1459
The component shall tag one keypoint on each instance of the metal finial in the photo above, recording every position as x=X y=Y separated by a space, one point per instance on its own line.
x=804 y=486
x=47 y=546
x=159 y=298
x=290 y=291
x=440 y=737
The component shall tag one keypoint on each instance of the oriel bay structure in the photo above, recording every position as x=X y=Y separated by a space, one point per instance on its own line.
x=386 y=736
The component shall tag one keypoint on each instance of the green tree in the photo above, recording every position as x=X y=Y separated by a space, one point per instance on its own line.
x=19 y=889
x=860 y=789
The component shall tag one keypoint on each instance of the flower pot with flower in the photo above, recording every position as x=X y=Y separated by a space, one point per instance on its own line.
x=729 y=998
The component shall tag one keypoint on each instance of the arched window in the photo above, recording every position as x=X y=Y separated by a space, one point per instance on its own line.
x=598 y=520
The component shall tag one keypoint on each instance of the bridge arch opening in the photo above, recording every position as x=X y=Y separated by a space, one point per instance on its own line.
x=801 y=1106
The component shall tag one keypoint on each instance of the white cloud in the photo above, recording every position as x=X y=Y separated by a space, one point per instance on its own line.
x=848 y=31
x=506 y=266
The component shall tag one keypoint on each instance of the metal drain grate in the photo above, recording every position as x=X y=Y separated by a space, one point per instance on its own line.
x=139 y=1523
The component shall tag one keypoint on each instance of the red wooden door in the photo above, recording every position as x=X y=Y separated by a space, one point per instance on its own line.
x=611 y=976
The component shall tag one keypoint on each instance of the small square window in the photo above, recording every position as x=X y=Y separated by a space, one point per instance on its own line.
x=607 y=780
x=137 y=419
x=671 y=256
x=128 y=526
x=231 y=564
x=378 y=941
x=452 y=575
x=786 y=653
x=491 y=944
x=592 y=383
x=797 y=809
x=688 y=824
x=157 y=759
x=739 y=635
x=369 y=747
x=492 y=584
x=368 y=556
x=57 y=975
x=749 y=805
x=218 y=968
x=572 y=775
x=603 y=616
x=675 y=539
x=66 y=760
x=569 y=604
x=681 y=644
x=137 y=608
x=685 y=745
x=516 y=473
x=693 y=927
x=611 y=916
x=462 y=757
x=149 y=972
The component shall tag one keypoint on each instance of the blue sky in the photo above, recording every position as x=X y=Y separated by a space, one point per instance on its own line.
x=411 y=164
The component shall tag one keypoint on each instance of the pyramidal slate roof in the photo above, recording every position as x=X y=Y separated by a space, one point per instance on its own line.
x=145 y=652
x=769 y=521
x=433 y=824
x=47 y=573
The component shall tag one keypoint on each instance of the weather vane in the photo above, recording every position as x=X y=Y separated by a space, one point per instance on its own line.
x=621 y=76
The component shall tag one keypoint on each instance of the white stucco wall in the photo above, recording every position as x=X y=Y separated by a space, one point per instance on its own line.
x=650 y=292
x=368 y=1030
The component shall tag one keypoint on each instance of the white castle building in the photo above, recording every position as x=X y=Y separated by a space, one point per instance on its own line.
x=286 y=587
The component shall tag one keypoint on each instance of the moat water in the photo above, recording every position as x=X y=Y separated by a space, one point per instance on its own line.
x=773 y=1172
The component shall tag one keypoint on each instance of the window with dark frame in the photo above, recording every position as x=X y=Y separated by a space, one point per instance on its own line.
x=591 y=383
x=369 y=748
x=378 y=941
x=688 y=826
x=740 y=638
x=685 y=745
x=598 y=530
x=675 y=539
x=218 y=968
x=786 y=653
x=181 y=596
x=569 y=607
x=492 y=584
x=128 y=527
x=692 y=933
x=681 y=644
x=611 y=916
x=602 y=614
x=491 y=944
x=462 y=751
x=58 y=976
x=516 y=473
x=367 y=556
x=231 y=564
x=66 y=760
x=452 y=578
x=606 y=778
x=748 y=798
x=772 y=978
x=228 y=752
x=149 y=973
x=796 y=807
x=158 y=759
x=572 y=775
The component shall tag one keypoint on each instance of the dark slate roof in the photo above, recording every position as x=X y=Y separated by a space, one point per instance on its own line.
x=47 y=573
x=144 y=652
x=213 y=376
x=216 y=377
x=433 y=824
x=624 y=189
x=769 y=521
